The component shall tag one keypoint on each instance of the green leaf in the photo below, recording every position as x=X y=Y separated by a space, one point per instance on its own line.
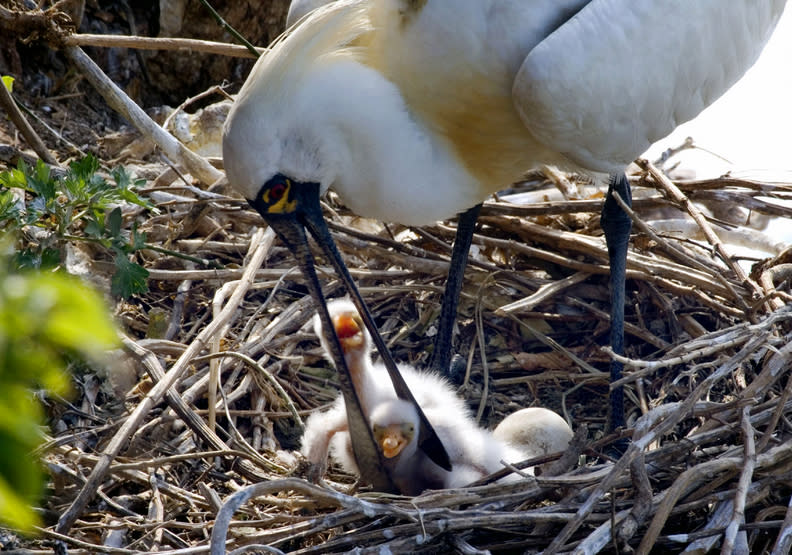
x=14 y=511
x=129 y=279
x=95 y=227
x=9 y=210
x=76 y=305
x=137 y=239
x=114 y=221
x=8 y=81
x=85 y=168
x=45 y=319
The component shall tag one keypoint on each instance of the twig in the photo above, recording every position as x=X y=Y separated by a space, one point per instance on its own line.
x=263 y=371
x=783 y=543
x=156 y=394
x=124 y=105
x=224 y=24
x=233 y=503
x=749 y=462
x=159 y=43
x=543 y=294
x=696 y=214
x=30 y=135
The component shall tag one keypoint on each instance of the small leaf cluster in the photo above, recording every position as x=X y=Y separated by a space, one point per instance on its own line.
x=46 y=320
x=78 y=205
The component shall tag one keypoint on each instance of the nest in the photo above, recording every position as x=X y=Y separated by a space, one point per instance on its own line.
x=709 y=461
x=139 y=462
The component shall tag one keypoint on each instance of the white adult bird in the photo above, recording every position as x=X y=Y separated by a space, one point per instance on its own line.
x=417 y=110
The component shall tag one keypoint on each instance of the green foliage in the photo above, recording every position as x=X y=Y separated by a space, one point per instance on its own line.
x=46 y=319
x=80 y=205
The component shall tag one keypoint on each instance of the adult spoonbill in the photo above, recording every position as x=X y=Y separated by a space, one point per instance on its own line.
x=417 y=110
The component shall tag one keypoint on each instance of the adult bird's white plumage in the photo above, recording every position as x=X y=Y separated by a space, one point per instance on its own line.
x=300 y=8
x=416 y=110
x=413 y=111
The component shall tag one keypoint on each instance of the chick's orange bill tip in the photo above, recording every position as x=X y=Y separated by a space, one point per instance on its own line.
x=392 y=445
x=345 y=325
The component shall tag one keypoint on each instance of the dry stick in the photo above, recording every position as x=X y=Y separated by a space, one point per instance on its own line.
x=643 y=503
x=120 y=102
x=770 y=429
x=482 y=350
x=269 y=377
x=235 y=501
x=271 y=274
x=699 y=218
x=778 y=364
x=768 y=279
x=149 y=43
x=214 y=363
x=233 y=32
x=638 y=266
x=16 y=115
x=712 y=531
x=687 y=482
x=545 y=292
x=260 y=244
x=783 y=543
x=156 y=514
x=672 y=494
x=668 y=416
x=670 y=249
x=749 y=463
x=191 y=419
x=626 y=523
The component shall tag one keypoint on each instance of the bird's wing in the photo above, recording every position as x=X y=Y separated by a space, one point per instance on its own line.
x=621 y=74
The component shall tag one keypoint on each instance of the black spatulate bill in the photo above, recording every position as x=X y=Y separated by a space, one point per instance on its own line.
x=298 y=209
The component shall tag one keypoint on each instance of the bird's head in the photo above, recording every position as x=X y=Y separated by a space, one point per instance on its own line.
x=394 y=424
x=277 y=158
x=274 y=141
x=352 y=334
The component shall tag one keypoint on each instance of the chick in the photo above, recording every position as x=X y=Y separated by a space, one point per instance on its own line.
x=474 y=452
x=328 y=430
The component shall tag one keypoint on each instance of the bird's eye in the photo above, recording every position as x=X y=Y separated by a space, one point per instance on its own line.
x=275 y=197
x=277 y=191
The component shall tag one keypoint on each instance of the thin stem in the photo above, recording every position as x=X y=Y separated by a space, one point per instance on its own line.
x=223 y=23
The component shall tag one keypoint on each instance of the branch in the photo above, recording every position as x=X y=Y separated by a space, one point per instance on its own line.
x=18 y=118
x=159 y=43
x=119 y=101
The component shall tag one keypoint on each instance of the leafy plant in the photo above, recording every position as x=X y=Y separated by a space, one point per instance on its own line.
x=46 y=319
x=80 y=205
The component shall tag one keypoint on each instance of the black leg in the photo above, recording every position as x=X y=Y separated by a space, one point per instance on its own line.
x=616 y=224
x=441 y=357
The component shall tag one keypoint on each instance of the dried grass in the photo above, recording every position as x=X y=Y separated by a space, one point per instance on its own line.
x=708 y=392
